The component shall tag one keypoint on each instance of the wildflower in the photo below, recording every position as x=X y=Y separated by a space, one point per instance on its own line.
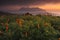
x=20 y=22
x=2 y=24
x=17 y=20
x=8 y=20
x=26 y=34
x=1 y=32
x=58 y=38
x=38 y=26
x=6 y=26
x=45 y=24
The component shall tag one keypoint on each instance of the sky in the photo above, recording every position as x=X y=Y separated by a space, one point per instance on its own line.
x=51 y=5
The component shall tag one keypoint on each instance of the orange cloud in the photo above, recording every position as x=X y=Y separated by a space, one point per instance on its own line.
x=54 y=7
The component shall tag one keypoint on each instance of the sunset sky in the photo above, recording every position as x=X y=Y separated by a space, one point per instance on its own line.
x=51 y=5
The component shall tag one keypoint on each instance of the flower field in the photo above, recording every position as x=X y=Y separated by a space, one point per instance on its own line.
x=29 y=27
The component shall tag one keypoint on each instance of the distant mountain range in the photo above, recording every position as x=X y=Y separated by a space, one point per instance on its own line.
x=33 y=11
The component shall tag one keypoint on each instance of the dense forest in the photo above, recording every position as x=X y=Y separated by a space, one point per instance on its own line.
x=29 y=27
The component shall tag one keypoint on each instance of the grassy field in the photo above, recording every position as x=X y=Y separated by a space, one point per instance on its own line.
x=29 y=27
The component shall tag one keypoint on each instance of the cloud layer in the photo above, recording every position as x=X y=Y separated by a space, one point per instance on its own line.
x=27 y=2
x=17 y=4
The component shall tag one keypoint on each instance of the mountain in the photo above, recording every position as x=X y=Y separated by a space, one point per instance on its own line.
x=33 y=11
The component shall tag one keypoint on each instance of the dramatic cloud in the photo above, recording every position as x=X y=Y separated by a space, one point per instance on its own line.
x=17 y=4
x=27 y=2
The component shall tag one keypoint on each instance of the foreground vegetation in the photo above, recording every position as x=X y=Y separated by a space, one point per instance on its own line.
x=28 y=27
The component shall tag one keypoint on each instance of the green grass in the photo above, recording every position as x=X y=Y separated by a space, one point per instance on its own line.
x=29 y=27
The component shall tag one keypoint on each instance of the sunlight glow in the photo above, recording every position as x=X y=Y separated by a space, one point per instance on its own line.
x=54 y=7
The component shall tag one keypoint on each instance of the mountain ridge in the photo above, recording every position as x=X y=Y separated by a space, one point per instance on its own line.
x=33 y=10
